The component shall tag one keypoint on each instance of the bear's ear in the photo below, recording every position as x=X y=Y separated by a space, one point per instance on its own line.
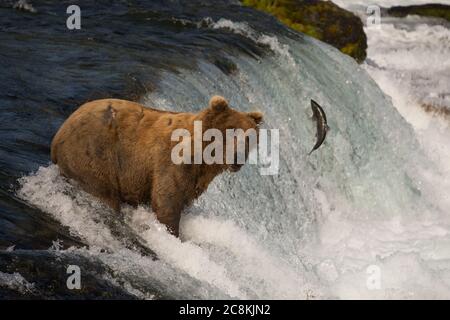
x=218 y=103
x=257 y=116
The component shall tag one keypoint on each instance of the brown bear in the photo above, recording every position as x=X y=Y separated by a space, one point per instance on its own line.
x=120 y=151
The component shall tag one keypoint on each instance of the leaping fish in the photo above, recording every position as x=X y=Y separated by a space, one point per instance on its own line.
x=322 y=126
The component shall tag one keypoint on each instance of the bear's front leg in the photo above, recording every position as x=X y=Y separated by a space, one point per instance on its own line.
x=167 y=207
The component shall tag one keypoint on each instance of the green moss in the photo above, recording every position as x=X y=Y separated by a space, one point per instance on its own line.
x=322 y=20
x=350 y=49
x=426 y=10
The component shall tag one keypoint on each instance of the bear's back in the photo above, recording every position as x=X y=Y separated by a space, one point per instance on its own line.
x=102 y=145
x=107 y=118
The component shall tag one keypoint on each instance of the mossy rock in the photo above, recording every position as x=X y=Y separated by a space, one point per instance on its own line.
x=425 y=10
x=319 y=19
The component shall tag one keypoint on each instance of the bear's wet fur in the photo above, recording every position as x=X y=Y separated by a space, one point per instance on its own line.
x=120 y=151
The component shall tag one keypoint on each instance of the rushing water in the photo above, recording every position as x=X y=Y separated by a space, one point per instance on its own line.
x=372 y=198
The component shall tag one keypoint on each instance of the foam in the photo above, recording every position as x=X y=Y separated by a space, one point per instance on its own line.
x=219 y=253
x=213 y=251
x=351 y=4
x=15 y=281
x=245 y=30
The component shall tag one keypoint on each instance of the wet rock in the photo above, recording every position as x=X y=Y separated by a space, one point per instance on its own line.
x=24 y=6
x=437 y=110
x=425 y=10
x=42 y=274
x=319 y=19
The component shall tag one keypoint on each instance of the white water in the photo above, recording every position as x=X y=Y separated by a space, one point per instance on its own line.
x=351 y=4
x=409 y=60
x=413 y=67
x=373 y=195
x=243 y=29
x=15 y=281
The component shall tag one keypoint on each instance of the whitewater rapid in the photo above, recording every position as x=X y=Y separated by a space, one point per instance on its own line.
x=409 y=59
x=371 y=203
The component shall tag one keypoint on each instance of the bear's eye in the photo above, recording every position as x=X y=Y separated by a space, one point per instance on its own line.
x=256 y=116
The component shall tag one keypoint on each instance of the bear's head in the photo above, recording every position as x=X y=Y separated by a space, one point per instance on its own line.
x=239 y=130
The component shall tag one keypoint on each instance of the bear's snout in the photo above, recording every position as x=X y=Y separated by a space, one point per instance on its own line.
x=235 y=167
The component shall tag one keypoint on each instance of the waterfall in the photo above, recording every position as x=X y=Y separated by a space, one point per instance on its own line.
x=368 y=199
